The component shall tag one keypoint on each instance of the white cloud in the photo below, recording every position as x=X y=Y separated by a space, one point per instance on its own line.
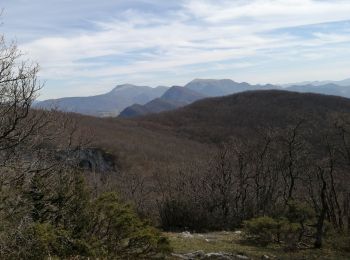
x=200 y=32
x=270 y=13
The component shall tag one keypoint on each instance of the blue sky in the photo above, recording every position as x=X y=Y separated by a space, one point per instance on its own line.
x=86 y=47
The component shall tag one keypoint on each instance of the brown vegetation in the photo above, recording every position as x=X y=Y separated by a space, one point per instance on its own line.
x=219 y=162
x=46 y=208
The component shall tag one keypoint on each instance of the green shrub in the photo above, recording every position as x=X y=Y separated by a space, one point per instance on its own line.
x=117 y=231
x=64 y=221
x=266 y=230
x=299 y=212
x=38 y=241
x=289 y=234
x=263 y=230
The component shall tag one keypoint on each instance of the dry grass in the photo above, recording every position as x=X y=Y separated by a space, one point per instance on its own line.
x=231 y=242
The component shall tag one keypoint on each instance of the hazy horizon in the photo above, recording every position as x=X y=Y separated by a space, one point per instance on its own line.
x=283 y=85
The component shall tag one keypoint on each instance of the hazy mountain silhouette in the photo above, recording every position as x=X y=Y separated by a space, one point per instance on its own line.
x=223 y=87
x=327 y=89
x=109 y=104
x=173 y=98
x=130 y=100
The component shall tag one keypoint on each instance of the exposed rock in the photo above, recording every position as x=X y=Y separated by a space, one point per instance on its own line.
x=186 y=234
x=90 y=159
x=96 y=160
x=189 y=256
x=241 y=257
x=222 y=256
x=179 y=256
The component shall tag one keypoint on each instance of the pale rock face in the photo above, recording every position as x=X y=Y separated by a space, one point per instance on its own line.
x=186 y=234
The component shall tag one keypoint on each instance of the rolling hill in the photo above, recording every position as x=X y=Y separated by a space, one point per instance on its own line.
x=216 y=119
x=146 y=143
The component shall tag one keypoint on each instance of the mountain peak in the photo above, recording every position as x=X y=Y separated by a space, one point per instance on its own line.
x=217 y=87
x=211 y=80
x=182 y=94
x=123 y=87
x=173 y=98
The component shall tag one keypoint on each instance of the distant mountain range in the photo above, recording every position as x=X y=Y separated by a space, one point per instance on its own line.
x=343 y=83
x=109 y=104
x=223 y=87
x=177 y=97
x=327 y=89
x=131 y=101
x=173 y=98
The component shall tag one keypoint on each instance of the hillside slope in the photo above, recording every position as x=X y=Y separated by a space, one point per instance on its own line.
x=148 y=142
x=215 y=119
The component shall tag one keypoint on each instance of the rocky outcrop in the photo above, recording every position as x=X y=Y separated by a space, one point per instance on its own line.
x=89 y=159
x=96 y=160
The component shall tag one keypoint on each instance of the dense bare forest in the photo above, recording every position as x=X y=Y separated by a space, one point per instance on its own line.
x=279 y=169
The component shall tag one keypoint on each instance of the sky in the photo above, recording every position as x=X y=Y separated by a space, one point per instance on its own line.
x=86 y=47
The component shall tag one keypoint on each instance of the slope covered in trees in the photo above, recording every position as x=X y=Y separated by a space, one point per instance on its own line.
x=274 y=162
x=216 y=119
x=282 y=161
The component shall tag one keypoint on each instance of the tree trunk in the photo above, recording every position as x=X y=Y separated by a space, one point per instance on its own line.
x=321 y=218
x=319 y=229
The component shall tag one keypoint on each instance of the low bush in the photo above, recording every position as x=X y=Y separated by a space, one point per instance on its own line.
x=265 y=230
x=116 y=231
x=74 y=224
